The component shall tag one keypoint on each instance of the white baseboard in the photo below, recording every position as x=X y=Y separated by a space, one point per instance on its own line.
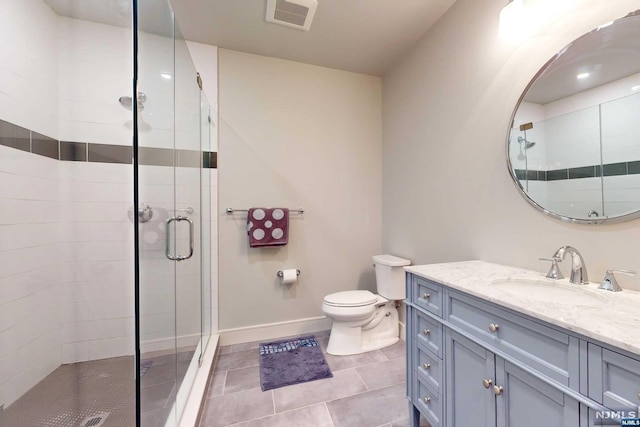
x=169 y=343
x=274 y=330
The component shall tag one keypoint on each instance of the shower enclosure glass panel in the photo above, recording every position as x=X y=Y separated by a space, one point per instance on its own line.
x=175 y=263
x=75 y=283
x=207 y=226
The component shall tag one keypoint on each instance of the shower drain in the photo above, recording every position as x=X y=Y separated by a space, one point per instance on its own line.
x=94 y=420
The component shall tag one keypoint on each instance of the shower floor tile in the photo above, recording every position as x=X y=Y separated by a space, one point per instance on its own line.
x=101 y=393
x=79 y=392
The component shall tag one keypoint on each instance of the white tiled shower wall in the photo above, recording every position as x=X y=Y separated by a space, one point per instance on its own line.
x=567 y=135
x=66 y=240
x=29 y=271
x=66 y=277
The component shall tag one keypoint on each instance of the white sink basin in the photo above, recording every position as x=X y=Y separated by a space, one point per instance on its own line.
x=551 y=291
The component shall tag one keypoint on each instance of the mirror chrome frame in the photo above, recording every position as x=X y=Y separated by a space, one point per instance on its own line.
x=516 y=181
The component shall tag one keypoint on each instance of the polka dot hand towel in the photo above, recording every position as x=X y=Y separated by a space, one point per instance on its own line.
x=268 y=227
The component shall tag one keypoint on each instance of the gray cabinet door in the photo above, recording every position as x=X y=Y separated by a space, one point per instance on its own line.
x=526 y=401
x=468 y=402
x=614 y=379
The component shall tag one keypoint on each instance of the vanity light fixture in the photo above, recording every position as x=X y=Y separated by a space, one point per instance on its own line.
x=582 y=76
x=512 y=20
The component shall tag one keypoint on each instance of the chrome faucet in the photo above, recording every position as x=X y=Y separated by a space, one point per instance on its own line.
x=578 y=269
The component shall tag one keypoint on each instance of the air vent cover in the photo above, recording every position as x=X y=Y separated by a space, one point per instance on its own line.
x=292 y=13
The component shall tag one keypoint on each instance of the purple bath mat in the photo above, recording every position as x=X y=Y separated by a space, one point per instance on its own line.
x=291 y=361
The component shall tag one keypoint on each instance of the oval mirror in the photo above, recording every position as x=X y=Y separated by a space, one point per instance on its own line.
x=574 y=146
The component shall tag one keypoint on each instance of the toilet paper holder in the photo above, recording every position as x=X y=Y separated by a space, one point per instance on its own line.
x=280 y=274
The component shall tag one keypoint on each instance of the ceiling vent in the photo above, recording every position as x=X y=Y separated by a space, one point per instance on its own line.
x=292 y=13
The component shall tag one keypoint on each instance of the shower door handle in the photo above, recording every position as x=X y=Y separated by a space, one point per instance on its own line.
x=168 y=248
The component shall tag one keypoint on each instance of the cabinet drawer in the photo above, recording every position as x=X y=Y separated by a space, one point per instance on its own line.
x=428 y=402
x=428 y=367
x=547 y=350
x=427 y=294
x=428 y=332
x=614 y=379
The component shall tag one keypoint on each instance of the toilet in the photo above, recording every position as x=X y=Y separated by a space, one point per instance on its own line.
x=364 y=321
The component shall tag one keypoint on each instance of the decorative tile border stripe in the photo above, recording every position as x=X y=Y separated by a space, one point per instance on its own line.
x=595 y=171
x=32 y=142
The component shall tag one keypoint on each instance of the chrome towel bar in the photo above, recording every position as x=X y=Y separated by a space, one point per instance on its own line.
x=229 y=211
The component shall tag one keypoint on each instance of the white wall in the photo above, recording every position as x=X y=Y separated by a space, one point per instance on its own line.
x=28 y=71
x=96 y=240
x=29 y=235
x=295 y=135
x=95 y=69
x=94 y=64
x=446 y=111
x=29 y=271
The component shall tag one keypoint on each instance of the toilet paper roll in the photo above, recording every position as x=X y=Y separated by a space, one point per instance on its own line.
x=289 y=276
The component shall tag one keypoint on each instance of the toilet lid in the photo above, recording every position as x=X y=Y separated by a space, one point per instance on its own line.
x=351 y=298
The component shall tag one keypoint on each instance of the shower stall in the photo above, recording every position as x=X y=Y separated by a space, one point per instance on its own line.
x=108 y=273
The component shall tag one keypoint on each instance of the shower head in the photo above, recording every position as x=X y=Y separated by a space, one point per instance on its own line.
x=527 y=144
x=127 y=102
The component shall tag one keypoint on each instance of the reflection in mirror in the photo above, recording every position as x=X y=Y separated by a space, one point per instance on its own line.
x=574 y=147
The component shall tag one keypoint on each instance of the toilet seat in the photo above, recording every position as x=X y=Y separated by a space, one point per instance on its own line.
x=351 y=299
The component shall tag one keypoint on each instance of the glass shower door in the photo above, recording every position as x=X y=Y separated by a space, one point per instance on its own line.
x=170 y=243
x=157 y=349
x=188 y=224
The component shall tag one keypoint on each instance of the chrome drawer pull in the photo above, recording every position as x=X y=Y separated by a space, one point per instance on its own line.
x=487 y=383
x=493 y=327
x=497 y=390
x=425 y=331
x=427 y=399
x=426 y=295
x=426 y=366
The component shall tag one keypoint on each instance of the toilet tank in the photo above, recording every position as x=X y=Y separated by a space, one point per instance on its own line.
x=390 y=276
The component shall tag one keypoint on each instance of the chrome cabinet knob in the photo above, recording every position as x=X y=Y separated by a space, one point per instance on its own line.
x=427 y=399
x=426 y=295
x=425 y=331
x=493 y=327
x=487 y=383
x=426 y=365
x=497 y=390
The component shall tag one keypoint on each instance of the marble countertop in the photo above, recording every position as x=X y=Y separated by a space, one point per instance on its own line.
x=610 y=317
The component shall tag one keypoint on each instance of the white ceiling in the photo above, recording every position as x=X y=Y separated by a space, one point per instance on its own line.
x=363 y=36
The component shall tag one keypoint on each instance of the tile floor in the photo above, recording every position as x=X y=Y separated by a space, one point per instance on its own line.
x=80 y=394
x=367 y=390
x=77 y=393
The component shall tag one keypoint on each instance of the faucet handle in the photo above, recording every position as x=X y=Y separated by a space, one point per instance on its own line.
x=610 y=283
x=554 y=271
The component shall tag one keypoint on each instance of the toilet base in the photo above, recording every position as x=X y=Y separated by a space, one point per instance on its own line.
x=354 y=338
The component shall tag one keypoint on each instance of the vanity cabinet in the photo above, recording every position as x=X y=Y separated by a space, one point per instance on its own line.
x=485 y=390
x=614 y=379
x=474 y=363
